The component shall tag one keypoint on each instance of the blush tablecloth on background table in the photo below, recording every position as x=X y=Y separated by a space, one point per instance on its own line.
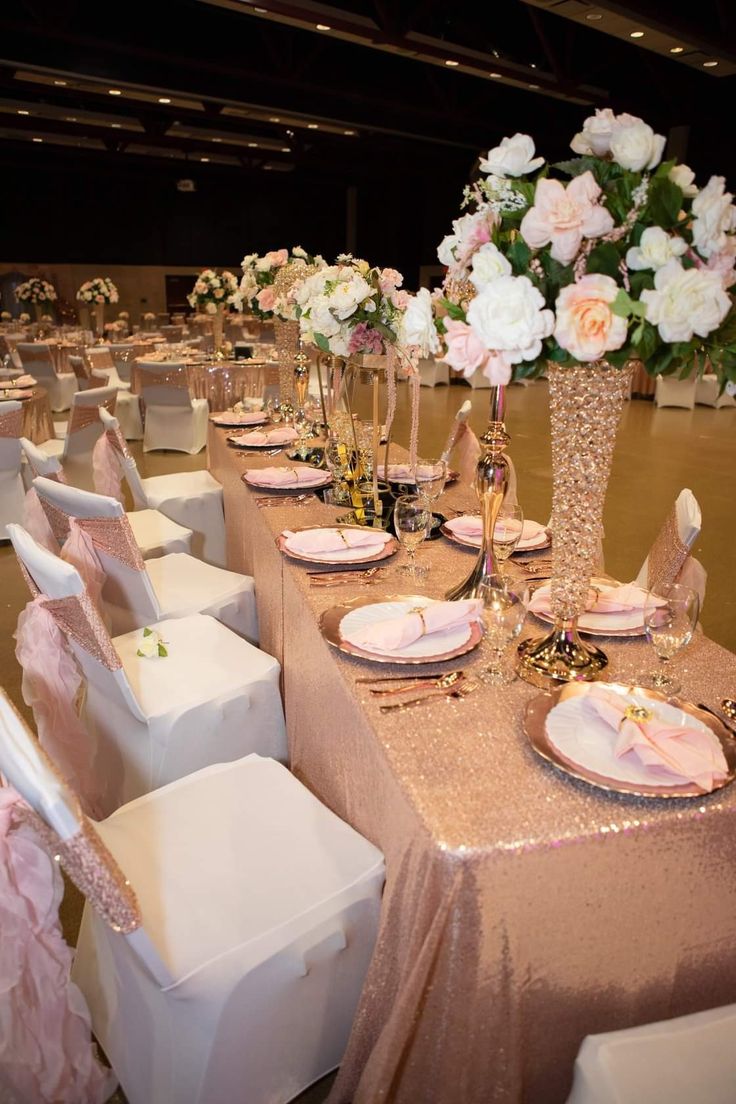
x=222 y=383
x=38 y=422
x=522 y=910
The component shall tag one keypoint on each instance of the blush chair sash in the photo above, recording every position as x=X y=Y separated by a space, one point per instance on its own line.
x=106 y=470
x=113 y=536
x=36 y=522
x=84 y=416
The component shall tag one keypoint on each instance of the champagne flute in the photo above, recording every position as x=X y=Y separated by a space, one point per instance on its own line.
x=670 y=616
x=411 y=523
x=430 y=477
x=507 y=533
x=505 y=604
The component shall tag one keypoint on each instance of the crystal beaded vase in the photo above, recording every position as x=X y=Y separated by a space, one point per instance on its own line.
x=99 y=315
x=286 y=336
x=586 y=402
x=218 y=330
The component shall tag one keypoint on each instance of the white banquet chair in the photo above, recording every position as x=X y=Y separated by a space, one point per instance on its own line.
x=212 y=699
x=433 y=372
x=669 y=559
x=37 y=360
x=12 y=491
x=135 y=592
x=671 y=391
x=687 y=1060
x=82 y=432
x=193 y=499
x=127 y=406
x=173 y=420
x=123 y=354
x=707 y=392
x=227 y=930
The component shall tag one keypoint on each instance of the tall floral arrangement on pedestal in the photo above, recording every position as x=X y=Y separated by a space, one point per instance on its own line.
x=213 y=290
x=98 y=291
x=263 y=281
x=35 y=290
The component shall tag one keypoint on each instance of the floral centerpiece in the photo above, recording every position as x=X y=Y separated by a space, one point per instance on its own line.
x=36 y=291
x=212 y=293
x=264 y=289
x=96 y=293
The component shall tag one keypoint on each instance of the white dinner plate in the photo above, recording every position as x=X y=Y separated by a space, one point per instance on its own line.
x=380 y=550
x=239 y=421
x=542 y=540
x=622 y=623
x=241 y=441
x=426 y=647
x=321 y=479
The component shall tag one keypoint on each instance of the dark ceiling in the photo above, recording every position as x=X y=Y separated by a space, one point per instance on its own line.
x=308 y=125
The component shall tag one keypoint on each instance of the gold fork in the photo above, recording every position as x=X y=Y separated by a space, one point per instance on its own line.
x=442 y=682
x=460 y=691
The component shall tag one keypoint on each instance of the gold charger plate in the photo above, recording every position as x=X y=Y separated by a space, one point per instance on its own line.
x=447 y=532
x=329 y=624
x=389 y=549
x=534 y=725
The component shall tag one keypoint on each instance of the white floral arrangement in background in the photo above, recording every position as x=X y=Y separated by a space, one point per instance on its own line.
x=258 y=287
x=99 y=290
x=24 y=318
x=5 y=316
x=35 y=290
x=351 y=307
x=213 y=290
x=627 y=259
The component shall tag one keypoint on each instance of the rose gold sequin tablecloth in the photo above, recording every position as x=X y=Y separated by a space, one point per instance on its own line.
x=642 y=384
x=38 y=422
x=522 y=910
x=226 y=382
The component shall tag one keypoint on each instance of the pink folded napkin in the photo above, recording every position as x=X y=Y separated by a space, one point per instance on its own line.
x=312 y=541
x=20 y=381
x=471 y=525
x=245 y=417
x=602 y=598
x=397 y=632
x=683 y=754
x=280 y=436
x=403 y=473
x=285 y=477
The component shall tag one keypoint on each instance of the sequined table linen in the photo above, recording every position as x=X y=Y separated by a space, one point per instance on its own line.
x=523 y=910
x=38 y=422
x=223 y=383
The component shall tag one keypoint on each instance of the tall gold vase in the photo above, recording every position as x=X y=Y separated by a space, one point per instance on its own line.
x=491 y=483
x=586 y=402
x=99 y=316
x=286 y=335
x=218 y=332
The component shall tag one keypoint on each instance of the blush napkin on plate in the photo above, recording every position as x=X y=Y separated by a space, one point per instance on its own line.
x=403 y=473
x=285 y=477
x=470 y=526
x=398 y=632
x=602 y=598
x=311 y=542
x=281 y=436
x=239 y=417
x=682 y=753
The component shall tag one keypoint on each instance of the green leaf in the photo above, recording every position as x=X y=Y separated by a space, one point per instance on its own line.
x=648 y=340
x=605 y=259
x=162 y=651
x=664 y=168
x=148 y=632
x=665 y=202
x=622 y=306
x=321 y=342
x=456 y=313
x=140 y=653
x=576 y=166
x=519 y=254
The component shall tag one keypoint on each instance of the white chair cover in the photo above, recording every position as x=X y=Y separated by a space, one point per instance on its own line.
x=191 y=499
x=12 y=492
x=173 y=420
x=432 y=372
x=37 y=360
x=82 y=431
x=670 y=391
x=134 y=593
x=127 y=406
x=262 y=907
x=214 y=698
x=707 y=393
x=669 y=559
x=688 y=1060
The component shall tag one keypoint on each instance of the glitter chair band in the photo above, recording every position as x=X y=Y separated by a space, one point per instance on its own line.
x=145 y=378
x=11 y=425
x=82 y=417
x=118 y=442
x=113 y=536
x=667 y=555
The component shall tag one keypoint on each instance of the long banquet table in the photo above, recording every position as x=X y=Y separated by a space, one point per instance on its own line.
x=523 y=909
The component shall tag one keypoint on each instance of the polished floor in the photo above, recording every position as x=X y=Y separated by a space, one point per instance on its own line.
x=658 y=453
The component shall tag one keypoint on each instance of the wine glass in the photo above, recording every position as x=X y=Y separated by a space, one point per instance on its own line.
x=430 y=477
x=411 y=523
x=507 y=533
x=505 y=603
x=670 y=616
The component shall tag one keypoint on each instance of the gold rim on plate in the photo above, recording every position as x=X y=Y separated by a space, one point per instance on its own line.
x=534 y=725
x=468 y=544
x=329 y=625
x=286 y=488
x=390 y=548
x=637 y=630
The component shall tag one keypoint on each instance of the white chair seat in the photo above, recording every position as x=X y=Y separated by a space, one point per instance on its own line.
x=670 y=391
x=53 y=449
x=185 y=585
x=157 y=535
x=707 y=393
x=193 y=499
x=682 y=1061
x=263 y=907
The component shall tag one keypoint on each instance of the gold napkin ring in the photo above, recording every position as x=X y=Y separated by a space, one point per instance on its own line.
x=419 y=611
x=637 y=713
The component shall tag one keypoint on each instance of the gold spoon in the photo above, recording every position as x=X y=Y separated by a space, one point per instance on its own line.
x=439 y=683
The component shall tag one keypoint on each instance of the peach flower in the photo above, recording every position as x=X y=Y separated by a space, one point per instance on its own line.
x=466 y=353
x=266 y=298
x=565 y=215
x=586 y=325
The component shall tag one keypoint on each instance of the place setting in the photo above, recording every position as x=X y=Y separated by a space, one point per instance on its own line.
x=285 y=480
x=263 y=440
x=344 y=544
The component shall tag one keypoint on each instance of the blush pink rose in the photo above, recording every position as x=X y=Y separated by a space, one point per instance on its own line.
x=466 y=353
x=278 y=257
x=266 y=298
x=586 y=325
x=565 y=215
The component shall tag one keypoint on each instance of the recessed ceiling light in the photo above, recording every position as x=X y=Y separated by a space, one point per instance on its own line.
x=204 y=158
x=594 y=16
x=636 y=34
x=253 y=145
x=274 y=119
x=217 y=139
x=285 y=149
x=677 y=49
x=37 y=139
x=451 y=63
x=495 y=76
x=21 y=111
x=266 y=168
x=534 y=87
x=312 y=126
x=60 y=83
x=709 y=64
x=164 y=99
x=350 y=133
x=115 y=126
x=323 y=27
x=261 y=11
x=114 y=92
x=70 y=118
x=532 y=65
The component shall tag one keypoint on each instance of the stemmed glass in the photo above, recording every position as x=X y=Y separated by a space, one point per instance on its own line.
x=670 y=616
x=507 y=534
x=505 y=605
x=411 y=523
x=430 y=477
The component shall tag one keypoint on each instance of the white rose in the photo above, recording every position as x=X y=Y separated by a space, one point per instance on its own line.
x=297 y=251
x=446 y=250
x=634 y=145
x=488 y=264
x=715 y=215
x=263 y=264
x=348 y=294
x=514 y=157
x=218 y=293
x=683 y=176
x=417 y=324
x=595 y=137
x=321 y=319
x=210 y=308
x=249 y=260
x=655 y=249
x=340 y=345
x=685 y=302
x=509 y=317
